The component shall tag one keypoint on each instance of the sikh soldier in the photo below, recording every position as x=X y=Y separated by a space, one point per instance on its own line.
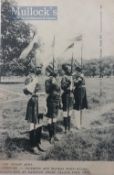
x=32 y=113
x=79 y=96
x=53 y=102
x=67 y=96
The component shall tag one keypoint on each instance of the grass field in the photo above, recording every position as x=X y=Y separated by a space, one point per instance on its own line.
x=95 y=142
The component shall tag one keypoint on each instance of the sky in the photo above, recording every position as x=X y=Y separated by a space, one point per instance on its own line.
x=76 y=17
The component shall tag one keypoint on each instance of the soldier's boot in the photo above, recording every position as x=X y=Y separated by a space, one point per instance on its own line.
x=50 y=130
x=38 y=138
x=65 y=122
x=33 y=142
x=69 y=122
x=54 y=132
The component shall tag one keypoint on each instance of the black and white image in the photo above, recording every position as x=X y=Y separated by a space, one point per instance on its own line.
x=57 y=80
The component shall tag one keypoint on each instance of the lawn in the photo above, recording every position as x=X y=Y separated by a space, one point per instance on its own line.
x=95 y=142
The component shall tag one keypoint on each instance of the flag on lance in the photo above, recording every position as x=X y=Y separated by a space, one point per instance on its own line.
x=70 y=46
x=77 y=38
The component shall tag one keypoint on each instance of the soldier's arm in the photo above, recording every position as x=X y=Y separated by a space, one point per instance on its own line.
x=47 y=86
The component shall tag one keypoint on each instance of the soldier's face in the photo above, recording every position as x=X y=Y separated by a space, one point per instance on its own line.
x=38 y=70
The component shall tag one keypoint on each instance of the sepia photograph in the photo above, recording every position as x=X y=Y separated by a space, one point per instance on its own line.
x=57 y=80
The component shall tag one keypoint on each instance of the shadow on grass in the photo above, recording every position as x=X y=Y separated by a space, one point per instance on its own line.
x=17 y=144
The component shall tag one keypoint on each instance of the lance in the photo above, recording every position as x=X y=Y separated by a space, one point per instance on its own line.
x=71 y=81
x=72 y=60
x=72 y=64
x=53 y=64
x=81 y=116
x=53 y=50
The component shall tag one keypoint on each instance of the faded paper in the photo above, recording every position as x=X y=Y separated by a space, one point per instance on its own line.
x=89 y=150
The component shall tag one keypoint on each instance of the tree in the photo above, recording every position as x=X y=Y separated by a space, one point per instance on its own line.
x=113 y=69
x=15 y=36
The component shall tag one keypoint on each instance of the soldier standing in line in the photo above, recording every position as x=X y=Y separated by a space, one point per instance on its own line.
x=32 y=113
x=80 y=97
x=67 y=96
x=53 y=101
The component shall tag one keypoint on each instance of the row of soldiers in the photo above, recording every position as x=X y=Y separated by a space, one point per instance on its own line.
x=68 y=94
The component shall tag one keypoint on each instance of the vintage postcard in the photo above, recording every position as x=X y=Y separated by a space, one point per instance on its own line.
x=57 y=87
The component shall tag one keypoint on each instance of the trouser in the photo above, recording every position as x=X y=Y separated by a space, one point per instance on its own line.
x=67 y=119
x=66 y=123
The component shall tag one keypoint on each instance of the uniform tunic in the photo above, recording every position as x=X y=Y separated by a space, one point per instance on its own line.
x=80 y=94
x=67 y=96
x=32 y=110
x=53 y=99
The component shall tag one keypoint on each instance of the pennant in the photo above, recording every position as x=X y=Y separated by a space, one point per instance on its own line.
x=27 y=50
x=70 y=46
x=77 y=38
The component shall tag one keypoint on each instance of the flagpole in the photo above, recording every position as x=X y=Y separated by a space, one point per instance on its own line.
x=100 y=51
